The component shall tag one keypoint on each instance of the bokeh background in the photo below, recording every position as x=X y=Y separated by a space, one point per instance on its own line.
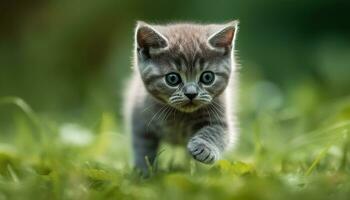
x=69 y=60
x=66 y=56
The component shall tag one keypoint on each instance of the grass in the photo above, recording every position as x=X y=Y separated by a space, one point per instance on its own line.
x=282 y=154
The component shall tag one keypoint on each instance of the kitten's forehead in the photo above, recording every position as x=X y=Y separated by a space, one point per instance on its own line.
x=184 y=33
x=188 y=39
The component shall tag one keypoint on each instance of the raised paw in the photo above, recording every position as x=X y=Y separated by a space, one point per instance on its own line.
x=203 y=151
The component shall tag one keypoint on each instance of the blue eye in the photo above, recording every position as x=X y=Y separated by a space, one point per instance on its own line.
x=207 y=77
x=173 y=79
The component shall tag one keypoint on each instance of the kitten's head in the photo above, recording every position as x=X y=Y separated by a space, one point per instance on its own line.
x=185 y=65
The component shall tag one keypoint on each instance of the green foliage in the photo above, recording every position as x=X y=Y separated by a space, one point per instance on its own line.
x=309 y=165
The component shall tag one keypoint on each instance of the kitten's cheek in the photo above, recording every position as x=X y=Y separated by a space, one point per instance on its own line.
x=157 y=94
x=164 y=98
x=217 y=88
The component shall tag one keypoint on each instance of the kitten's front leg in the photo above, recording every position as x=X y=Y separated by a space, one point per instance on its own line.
x=208 y=143
x=145 y=146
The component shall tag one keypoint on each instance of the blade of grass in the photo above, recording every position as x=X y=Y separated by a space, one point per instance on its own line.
x=346 y=147
x=317 y=160
x=26 y=109
x=315 y=133
x=12 y=174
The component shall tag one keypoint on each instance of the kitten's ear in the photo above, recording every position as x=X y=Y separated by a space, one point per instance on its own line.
x=148 y=37
x=225 y=36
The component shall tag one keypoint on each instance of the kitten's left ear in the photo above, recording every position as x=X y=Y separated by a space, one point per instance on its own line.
x=148 y=37
x=224 y=38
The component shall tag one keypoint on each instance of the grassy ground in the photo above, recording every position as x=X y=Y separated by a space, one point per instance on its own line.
x=282 y=154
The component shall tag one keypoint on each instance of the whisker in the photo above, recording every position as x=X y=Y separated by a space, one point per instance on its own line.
x=175 y=98
x=219 y=106
x=219 y=111
x=163 y=112
x=168 y=113
x=174 y=114
x=204 y=101
x=216 y=114
x=209 y=116
x=147 y=108
x=211 y=110
x=155 y=115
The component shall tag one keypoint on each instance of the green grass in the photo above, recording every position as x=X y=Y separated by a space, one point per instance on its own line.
x=282 y=154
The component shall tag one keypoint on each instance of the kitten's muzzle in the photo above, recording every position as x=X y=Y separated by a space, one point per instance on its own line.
x=190 y=91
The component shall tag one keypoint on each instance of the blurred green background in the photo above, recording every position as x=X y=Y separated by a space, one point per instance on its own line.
x=64 y=56
x=69 y=59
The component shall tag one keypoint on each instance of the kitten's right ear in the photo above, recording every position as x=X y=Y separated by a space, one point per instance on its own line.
x=149 y=38
x=224 y=37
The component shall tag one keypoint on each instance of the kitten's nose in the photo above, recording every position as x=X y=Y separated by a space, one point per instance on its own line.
x=190 y=91
x=191 y=96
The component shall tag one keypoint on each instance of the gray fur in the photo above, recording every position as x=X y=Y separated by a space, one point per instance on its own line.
x=156 y=111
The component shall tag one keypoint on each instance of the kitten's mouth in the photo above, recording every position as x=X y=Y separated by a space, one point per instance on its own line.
x=189 y=106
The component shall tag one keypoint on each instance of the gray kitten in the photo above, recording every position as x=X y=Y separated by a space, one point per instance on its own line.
x=182 y=89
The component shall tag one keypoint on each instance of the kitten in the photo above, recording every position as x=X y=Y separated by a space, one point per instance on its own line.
x=181 y=90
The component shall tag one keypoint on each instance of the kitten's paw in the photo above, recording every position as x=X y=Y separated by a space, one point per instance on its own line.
x=203 y=151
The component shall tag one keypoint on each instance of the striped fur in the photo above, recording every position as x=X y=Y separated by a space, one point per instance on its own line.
x=156 y=111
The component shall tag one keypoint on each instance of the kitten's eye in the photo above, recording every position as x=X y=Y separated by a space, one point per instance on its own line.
x=173 y=79
x=207 y=77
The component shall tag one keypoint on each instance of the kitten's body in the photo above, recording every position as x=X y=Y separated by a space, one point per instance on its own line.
x=208 y=129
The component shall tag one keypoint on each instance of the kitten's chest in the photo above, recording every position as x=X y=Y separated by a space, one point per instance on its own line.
x=175 y=129
x=176 y=132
